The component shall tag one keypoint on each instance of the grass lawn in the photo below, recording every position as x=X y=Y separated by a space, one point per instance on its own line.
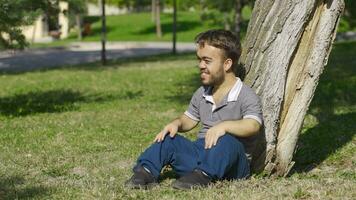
x=75 y=132
x=139 y=27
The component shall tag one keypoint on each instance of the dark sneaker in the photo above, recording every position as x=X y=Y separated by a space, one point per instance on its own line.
x=141 y=179
x=196 y=178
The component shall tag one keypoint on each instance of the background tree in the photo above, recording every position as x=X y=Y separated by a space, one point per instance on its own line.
x=284 y=53
x=158 y=18
x=15 y=14
x=231 y=10
x=153 y=10
x=77 y=8
x=184 y=5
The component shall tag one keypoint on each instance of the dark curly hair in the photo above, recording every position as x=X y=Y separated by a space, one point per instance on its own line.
x=224 y=40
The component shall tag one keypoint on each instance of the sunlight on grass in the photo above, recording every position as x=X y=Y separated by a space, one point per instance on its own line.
x=75 y=132
x=139 y=27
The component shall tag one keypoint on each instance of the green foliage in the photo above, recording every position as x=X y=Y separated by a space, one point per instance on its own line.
x=17 y=13
x=348 y=20
x=13 y=15
x=226 y=8
x=77 y=6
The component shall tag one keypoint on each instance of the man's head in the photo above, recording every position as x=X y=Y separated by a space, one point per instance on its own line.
x=218 y=52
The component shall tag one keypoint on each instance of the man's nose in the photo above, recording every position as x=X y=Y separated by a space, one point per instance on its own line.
x=201 y=65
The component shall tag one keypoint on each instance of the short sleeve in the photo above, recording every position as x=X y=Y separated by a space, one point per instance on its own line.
x=251 y=106
x=193 y=108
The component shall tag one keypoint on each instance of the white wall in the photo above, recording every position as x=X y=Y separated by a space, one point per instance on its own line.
x=95 y=10
x=63 y=19
x=37 y=31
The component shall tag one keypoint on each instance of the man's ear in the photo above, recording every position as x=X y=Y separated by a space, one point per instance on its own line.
x=227 y=64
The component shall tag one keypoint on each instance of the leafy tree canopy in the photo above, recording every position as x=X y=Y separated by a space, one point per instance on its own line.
x=13 y=15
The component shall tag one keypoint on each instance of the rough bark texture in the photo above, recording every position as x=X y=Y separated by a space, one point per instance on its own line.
x=286 y=48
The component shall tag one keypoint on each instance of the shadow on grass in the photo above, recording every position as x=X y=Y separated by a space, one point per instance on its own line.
x=321 y=141
x=54 y=101
x=333 y=108
x=14 y=188
x=91 y=19
x=96 y=31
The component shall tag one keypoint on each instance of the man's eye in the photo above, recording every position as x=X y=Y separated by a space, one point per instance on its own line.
x=207 y=61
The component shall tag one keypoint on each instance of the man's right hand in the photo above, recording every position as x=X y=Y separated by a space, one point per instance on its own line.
x=171 y=128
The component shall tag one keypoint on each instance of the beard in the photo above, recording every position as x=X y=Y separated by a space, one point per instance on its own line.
x=208 y=79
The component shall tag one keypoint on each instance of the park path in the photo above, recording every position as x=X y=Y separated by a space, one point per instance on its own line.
x=82 y=52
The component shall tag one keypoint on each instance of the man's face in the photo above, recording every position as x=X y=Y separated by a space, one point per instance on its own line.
x=211 y=65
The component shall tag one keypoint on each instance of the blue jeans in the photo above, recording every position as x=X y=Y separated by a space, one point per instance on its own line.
x=226 y=160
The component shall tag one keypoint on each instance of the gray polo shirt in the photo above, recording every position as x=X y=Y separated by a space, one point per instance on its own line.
x=240 y=103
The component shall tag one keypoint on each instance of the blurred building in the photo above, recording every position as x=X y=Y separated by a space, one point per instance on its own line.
x=95 y=9
x=40 y=32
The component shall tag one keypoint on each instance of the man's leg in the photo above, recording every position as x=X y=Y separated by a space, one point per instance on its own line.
x=178 y=151
x=226 y=158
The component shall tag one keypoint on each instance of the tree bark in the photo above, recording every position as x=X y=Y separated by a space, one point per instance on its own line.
x=103 y=33
x=153 y=10
x=78 y=20
x=284 y=53
x=174 y=27
x=158 y=20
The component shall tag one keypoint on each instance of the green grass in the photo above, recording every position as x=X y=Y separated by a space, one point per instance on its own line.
x=75 y=132
x=139 y=27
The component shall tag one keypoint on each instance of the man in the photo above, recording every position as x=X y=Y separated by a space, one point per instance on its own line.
x=231 y=116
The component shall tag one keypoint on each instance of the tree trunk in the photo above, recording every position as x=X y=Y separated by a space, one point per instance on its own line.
x=78 y=20
x=226 y=21
x=153 y=10
x=284 y=53
x=103 y=33
x=158 y=20
x=174 y=27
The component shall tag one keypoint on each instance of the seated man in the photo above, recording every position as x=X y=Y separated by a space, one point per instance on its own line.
x=231 y=116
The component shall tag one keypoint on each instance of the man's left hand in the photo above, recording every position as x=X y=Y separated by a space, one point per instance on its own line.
x=213 y=134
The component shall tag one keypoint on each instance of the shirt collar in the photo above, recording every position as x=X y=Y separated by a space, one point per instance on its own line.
x=232 y=96
x=235 y=90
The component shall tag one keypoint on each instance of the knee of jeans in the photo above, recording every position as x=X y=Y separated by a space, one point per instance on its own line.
x=171 y=140
x=228 y=139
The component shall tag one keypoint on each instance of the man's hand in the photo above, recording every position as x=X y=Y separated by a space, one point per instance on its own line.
x=241 y=128
x=171 y=128
x=213 y=134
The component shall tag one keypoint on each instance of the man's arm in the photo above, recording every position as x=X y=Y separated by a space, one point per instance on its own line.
x=181 y=124
x=241 y=128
